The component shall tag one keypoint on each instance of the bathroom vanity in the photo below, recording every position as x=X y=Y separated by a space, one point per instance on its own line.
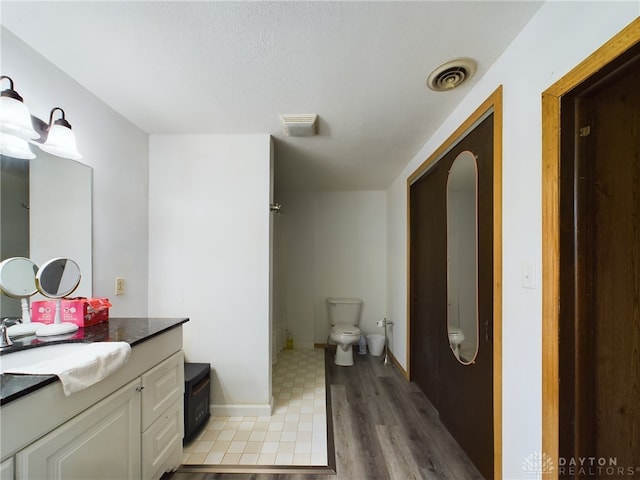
x=127 y=426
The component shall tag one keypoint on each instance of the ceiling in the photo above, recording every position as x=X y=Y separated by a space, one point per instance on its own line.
x=234 y=67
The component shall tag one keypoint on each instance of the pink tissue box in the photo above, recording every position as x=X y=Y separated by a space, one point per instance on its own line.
x=81 y=311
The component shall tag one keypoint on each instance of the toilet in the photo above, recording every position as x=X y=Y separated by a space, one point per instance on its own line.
x=456 y=337
x=344 y=316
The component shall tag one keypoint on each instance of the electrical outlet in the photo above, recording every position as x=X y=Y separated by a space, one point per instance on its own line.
x=119 y=286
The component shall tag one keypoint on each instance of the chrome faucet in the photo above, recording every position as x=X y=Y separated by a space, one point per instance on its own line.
x=5 y=341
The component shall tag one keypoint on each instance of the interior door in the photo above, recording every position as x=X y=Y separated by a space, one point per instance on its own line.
x=463 y=394
x=428 y=290
x=600 y=273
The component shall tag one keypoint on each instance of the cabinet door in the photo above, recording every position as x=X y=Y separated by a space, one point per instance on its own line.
x=163 y=385
x=162 y=443
x=103 y=442
x=6 y=469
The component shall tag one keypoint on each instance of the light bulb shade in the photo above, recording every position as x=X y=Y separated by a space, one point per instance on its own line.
x=15 y=147
x=15 y=118
x=61 y=142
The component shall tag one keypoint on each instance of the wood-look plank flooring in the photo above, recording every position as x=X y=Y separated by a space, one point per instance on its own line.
x=383 y=428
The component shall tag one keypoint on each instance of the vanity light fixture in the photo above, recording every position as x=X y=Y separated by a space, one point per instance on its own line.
x=18 y=126
x=12 y=146
x=60 y=139
x=15 y=124
x=14 y=114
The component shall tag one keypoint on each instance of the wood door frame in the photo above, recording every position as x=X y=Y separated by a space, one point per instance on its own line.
x=492 y=104
x=551 y=158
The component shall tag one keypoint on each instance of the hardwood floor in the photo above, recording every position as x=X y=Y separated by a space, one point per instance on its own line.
x=383 y=427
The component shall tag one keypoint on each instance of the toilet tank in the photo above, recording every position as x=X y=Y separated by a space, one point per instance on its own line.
x=344 y=310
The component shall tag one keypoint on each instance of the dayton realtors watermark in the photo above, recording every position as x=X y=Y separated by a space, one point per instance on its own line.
x=579 y=467
x=598 y=467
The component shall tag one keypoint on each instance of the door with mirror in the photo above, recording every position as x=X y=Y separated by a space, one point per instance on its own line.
x=462 y=258
x=451 y=289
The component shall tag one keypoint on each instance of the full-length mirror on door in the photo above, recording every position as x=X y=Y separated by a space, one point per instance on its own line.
x=462 y=257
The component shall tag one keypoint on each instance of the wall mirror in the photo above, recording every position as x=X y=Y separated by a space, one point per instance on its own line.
x=462 y=258
x=46 y=212
x=56 y=279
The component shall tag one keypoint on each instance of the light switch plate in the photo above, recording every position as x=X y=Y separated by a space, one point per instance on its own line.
x=527 y=275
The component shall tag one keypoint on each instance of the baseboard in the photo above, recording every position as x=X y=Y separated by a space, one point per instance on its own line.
x=395 y=361
x=252 y=470
x=242 y=410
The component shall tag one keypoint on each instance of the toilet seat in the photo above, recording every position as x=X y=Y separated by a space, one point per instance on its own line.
x=346 y=332
x=454 y=330
x=345 y=336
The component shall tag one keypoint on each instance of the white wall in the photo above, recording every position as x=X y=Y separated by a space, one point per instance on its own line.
x=209 y=248
x=559 y=37
x=118 y=153
x=335 y=246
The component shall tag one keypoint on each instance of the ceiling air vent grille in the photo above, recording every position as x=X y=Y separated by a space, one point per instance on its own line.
x=451 y=74
x=299 y=125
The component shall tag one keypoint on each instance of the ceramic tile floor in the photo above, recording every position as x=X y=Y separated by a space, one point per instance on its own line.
x=295 y=433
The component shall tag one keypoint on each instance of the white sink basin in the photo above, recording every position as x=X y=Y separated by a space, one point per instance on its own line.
x=31 y=356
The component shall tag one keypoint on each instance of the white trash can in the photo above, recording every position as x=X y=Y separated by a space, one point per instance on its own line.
x=375 y=342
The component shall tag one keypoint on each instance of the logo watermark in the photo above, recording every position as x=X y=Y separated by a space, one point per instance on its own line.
x=539 y=463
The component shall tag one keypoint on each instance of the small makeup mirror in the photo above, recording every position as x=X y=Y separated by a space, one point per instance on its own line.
x=18 y=280
x=57 y=278
x=462 y=257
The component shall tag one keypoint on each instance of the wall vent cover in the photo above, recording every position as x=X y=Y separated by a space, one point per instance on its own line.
x=451 y=74
x=299 y=125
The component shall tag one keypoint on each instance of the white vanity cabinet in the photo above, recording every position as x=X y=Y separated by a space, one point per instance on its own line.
x=134 y=433
x=128 y=426
x=102 y=442
x=6 y=469
x=162 y=417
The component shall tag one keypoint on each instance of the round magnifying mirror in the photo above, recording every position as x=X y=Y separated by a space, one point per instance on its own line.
x=18 y=280
x=57 y=278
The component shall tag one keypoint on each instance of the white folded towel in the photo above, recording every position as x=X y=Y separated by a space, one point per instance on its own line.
x=83 y=367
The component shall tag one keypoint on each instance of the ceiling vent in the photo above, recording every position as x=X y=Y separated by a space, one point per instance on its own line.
x=299 y=125
x=451 y=74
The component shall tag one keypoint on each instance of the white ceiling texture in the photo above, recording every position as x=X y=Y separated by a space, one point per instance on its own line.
x=234 y=67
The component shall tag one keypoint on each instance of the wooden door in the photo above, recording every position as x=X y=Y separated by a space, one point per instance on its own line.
x=428 y=280
x=600 y=273
x=463 y=394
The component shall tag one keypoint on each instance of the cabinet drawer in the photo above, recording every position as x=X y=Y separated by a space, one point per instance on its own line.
x=162 y=443
x=162 y=386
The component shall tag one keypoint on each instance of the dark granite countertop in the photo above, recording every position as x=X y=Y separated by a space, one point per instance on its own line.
x=131 y=330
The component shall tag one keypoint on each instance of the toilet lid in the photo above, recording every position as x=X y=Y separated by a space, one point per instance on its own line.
x=346 y=329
